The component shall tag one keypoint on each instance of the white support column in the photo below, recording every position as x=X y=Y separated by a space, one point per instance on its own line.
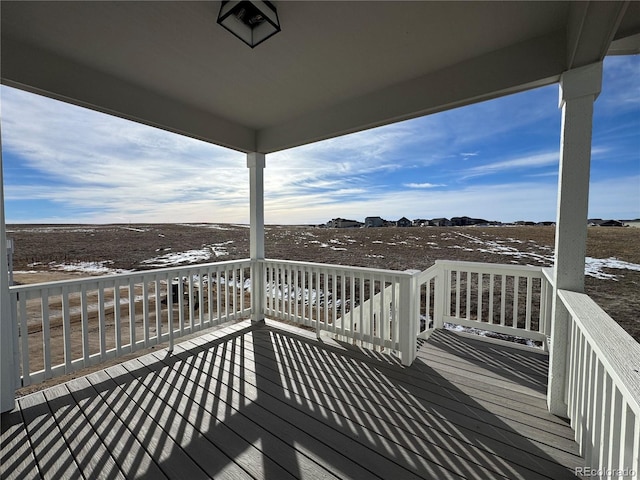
x=408 y=317
x=578 y=90
x=256 y=164
x=7 y=326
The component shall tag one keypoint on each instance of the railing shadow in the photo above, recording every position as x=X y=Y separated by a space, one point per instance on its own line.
x=526 y=367
x=261 y=402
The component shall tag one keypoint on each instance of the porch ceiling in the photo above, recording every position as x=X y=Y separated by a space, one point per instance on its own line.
x=336 y=67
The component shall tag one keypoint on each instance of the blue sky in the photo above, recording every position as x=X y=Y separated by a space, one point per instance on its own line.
x=496 y=160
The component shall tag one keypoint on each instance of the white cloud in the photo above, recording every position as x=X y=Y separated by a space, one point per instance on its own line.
x=424 y=185
x=530 y=161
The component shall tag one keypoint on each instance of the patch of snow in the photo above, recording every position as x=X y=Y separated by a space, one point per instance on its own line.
x=135 y=229
x=594 y=267
x=177 y=258
x=219 y=249
x=88 y=267
x=484 y=333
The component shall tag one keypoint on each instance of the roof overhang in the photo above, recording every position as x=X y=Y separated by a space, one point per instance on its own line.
x=335 y=68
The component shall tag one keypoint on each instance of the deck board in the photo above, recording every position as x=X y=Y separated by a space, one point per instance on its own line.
x=17 y=460
x=270 y=401
x=130 y=455
x=85 y=446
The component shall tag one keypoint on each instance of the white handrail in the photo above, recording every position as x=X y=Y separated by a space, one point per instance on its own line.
x=512 y=300
x=362 y=305
x=71 y=324
x=603 y=388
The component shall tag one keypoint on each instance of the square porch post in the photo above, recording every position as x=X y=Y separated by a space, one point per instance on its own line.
x=7 y=322
x=578 y=90
x=256 y=163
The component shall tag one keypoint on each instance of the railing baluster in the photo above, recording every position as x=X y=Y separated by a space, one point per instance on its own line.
x=66 y=329
x=588 y=404
x=334 y=300
x=132 y=314
x=615 y=428
x=24 y=337
x=343 y=301
x=102 y=323
x=156 y=283
x=480 y=295
x=210 y=320
x=597 y=414
x=117 y=330
x=605 y=444
x=201 y=319
x=516 y=299
x=384 y=312
x=527 y=325
x=145 y=311
x=296 y=284
x=580 y=390
x=468 y=292
x=458 y=293
x=234 y=291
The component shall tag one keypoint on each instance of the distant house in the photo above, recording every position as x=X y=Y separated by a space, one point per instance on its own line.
x=631 y=223
x=466 y=221
x=373 y=222
x=440 y=222
x=545 y=224
x=420 y=222
x=343 y=223
x=403 y=222
x=611 y=223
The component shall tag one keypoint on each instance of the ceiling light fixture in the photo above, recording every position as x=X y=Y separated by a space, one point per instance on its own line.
x=251 y=21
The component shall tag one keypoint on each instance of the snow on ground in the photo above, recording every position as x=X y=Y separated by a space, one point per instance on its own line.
x=190 y=256
x=177 y=258
x=485 y=333
x=594 y=267
x=142 y=230
x=52 y=229
x=214 y=226
x=92 y=268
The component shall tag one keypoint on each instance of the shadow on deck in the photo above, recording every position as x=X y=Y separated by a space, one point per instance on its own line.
x=272 y=402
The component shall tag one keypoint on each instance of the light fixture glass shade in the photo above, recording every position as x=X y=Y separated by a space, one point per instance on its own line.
x=252 y=21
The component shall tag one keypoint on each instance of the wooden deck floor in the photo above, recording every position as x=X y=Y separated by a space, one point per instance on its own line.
x=274 y=403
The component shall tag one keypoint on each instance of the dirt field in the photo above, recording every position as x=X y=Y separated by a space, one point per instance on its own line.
x=54 y=252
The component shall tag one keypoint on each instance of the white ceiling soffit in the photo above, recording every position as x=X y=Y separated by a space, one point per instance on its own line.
x=335 y=68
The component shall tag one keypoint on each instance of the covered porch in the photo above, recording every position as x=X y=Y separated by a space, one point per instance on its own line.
x=370 y=407
x=270 y=401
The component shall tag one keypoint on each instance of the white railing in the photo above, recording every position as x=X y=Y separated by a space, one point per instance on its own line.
x=510 y=300
x=67 y=325
x=603 y=389
x=370 y=307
